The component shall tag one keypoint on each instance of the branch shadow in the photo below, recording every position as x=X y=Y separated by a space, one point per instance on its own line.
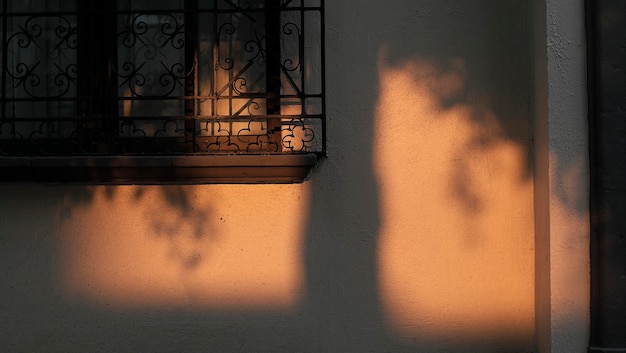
x=342 y=253
x=341 y=309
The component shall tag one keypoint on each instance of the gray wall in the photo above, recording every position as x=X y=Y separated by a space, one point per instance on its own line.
x=415 y=233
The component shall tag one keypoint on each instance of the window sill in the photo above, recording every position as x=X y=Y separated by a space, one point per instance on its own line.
x=240 y=169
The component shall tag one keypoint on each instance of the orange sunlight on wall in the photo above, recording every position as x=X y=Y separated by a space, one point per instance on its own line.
x=456 y=242
x=217 y=247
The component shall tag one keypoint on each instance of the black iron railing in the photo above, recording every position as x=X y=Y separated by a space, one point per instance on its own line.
x=169 y=77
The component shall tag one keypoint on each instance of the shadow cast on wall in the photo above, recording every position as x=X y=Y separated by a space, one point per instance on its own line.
x=335 y=294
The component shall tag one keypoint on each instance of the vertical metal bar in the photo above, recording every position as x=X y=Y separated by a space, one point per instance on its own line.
x=231 y=75
x=302 y=59
x=323 y=72
x=97 y=80
x=214 y=85
x=191 y=72
x=273 y=69
x=112 y=98
x=5 y=48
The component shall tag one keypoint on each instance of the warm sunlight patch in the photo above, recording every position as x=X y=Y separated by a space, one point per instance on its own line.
x=456 y=242
x=175 y=247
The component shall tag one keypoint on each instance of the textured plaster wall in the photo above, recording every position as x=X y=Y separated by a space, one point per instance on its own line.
x=562 y=177
x=414 y=234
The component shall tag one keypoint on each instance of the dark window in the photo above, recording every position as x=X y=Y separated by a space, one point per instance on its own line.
x=143 y=86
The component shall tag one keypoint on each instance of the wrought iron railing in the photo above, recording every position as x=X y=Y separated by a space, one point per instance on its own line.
x=91 y=77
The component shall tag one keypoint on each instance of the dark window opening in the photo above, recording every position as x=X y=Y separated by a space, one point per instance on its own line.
x=126 y=80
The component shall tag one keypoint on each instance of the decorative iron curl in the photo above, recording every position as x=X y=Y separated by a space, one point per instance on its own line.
x=240 y=85
x=221 y=130
x=255 y=143
x=51 y=133
x=173 y=76
x=134 y=78
x=253 y=105
x=228 y=29
x=171 y=136
x=289 y=29
x=255 y=47
x=7 y=130
x=67 y=34
x=173 y=33
x=202 y=129
x=64 y=79
x=28 y=33
x=261 y=143
x=298 y=136
x=221 y=144
x=130 y=136
x=223 y=141
x=25 y=74
x=133 y=33
x=129 y=128
x=27 y=78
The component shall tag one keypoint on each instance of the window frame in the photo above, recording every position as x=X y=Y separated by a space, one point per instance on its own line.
x=228 y=166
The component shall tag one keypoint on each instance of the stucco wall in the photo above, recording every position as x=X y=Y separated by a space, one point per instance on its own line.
x=561 y=177
x=415 y=233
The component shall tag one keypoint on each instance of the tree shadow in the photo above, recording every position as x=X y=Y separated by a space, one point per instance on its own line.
x=342 y=253
x=341 y=307
x=171 y=211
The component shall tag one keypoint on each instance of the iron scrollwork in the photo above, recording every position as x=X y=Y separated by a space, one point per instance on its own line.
x=219 y=76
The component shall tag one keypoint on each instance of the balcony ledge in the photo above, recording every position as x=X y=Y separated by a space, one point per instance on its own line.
x=190 y=169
